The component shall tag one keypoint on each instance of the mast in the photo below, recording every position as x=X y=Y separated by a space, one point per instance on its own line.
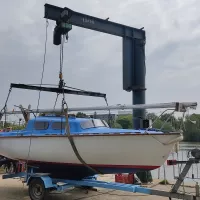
x=177 y=106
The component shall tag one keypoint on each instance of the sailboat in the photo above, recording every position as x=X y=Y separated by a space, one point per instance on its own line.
x=75 y=148
x=105 y=149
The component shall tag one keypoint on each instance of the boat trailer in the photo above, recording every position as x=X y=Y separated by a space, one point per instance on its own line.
x=40 y=185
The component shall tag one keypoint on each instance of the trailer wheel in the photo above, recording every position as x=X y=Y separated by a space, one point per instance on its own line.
x=37 y=190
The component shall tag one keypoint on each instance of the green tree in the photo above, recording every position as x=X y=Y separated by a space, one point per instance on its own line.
x=165 y=126
x=125 y=121
x=167 y=117
x=18 y=127
x=81 y=115
x=116 y=125
x=191 y=128
x=151 y=116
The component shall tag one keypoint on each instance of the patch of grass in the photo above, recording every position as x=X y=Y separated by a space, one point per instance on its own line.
x=164 y=182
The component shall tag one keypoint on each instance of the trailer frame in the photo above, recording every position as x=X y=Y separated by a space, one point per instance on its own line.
x=40 y=185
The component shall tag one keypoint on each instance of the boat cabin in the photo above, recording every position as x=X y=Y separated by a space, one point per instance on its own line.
x=54 y=124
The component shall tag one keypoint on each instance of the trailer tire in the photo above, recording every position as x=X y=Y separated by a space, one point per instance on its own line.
x=37 y=190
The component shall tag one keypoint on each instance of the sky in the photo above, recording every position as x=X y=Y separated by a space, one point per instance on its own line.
x=93 y=60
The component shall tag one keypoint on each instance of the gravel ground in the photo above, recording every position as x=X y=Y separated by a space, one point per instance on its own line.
x=13 y=189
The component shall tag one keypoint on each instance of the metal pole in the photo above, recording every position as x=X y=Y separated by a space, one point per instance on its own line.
x=164 y=174
x=139 y=108
x=138 y=98
x=197 y=189
x=173 y=165
x=138 y=81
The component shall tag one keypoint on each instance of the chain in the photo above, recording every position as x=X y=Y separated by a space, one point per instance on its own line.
x=61 y=81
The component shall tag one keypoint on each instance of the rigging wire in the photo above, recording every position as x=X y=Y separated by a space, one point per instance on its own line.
x=44 y=61
x=158 y=117
x=5 y=107
x=43 y=67
x=55 y=102
x=109 y=114
x=170 y=115
x=5 y=120
x=6 y=100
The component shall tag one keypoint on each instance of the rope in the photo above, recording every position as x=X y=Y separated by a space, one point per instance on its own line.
x=43 y=67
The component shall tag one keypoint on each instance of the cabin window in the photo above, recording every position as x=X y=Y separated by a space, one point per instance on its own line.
x=87 y=124
x=106 y=124
x=58 y=125
x=41 y=125
x=92 y=123
x=98 y=123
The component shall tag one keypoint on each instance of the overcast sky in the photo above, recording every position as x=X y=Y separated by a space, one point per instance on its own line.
x=93 y=60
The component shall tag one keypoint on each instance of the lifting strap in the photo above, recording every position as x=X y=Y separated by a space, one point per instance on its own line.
x=71 y=140
x=67 y=128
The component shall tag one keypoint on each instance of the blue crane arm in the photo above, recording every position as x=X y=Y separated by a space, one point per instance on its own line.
x=86 y=21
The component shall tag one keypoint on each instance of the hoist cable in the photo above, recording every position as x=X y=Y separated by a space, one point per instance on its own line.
x=61 y=54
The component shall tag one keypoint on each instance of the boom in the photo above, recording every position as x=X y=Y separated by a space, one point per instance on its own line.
x=178 y=106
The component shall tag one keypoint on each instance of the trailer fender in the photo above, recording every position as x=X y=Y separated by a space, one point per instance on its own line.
x=46 y=179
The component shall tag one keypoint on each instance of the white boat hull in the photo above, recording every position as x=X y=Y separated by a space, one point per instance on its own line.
x=126 y=151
